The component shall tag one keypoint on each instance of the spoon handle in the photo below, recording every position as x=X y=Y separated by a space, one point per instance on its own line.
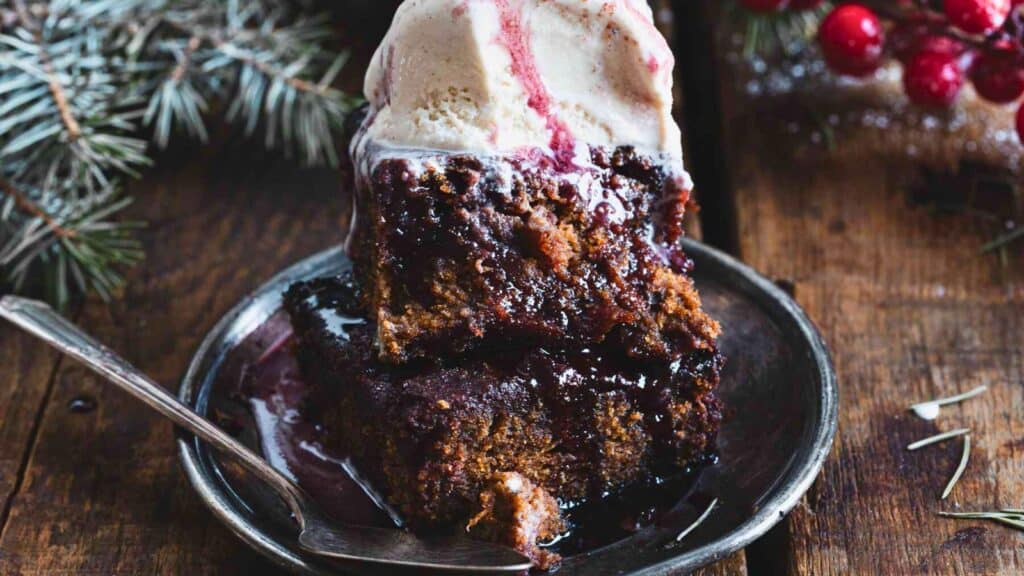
x=42 y=321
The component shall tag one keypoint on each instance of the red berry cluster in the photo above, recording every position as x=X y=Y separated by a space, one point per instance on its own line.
x=942 y=44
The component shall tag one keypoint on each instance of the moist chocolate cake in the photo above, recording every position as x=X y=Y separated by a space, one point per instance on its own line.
x=519 y=332
x=439 y=439
x=458 y=252
x=520 y=180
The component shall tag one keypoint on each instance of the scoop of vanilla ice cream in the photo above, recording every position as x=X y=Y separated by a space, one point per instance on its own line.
x=500 y=75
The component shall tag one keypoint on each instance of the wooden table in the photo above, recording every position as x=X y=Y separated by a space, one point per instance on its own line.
x=89 y=480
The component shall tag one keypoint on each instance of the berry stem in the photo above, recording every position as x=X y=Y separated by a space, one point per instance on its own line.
x=900 y=15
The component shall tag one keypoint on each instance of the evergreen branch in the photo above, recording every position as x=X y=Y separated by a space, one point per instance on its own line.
x=186 y=59
x=26 y=205
x=60 y=99
x=273 y=67
x=77 y=79
x=56 y=89
x=71 y=243
x=63 y=116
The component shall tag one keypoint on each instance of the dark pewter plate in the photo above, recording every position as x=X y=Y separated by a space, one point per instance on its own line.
x=778 y=385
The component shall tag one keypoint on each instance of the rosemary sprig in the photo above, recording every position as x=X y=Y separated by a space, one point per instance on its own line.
x=959 y=469
x=938 y=438
x=698 y=521
x=930 y=410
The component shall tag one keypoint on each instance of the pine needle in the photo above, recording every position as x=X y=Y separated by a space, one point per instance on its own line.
x=1004 y=240
x=698 y=522
x=938 y=438
x=930 y=410
x=959 y=469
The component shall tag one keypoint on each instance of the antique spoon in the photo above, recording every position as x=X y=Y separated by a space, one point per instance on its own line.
x=394 y=548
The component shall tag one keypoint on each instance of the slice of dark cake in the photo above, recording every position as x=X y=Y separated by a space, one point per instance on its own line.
x=520 y=180
x=443 y=440
x=459 y=252
x=520 y=332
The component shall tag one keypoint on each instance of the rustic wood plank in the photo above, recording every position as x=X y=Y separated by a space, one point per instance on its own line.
x=735 y=565
x=911 y=311
x=103 y=493
x=26 y=370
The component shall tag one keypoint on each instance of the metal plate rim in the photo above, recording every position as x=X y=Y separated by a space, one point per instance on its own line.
x=256 y=307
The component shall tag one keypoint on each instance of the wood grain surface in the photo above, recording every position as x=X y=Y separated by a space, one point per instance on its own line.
x=89 y=479
x=102 y=492
x=912 y=311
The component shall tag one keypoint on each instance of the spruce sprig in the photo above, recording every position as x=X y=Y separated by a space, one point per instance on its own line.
x=269 y=61
x=80 y=79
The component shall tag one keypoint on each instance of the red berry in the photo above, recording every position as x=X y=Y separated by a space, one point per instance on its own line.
x=851 y=40
x=932 y=79
x=998 y=76
x=1020 y=123
x=765 y=5
x=977 y=16
x=809 y=4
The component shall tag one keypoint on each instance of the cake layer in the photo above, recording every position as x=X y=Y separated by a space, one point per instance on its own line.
x=441 y=439
x=460 y=252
